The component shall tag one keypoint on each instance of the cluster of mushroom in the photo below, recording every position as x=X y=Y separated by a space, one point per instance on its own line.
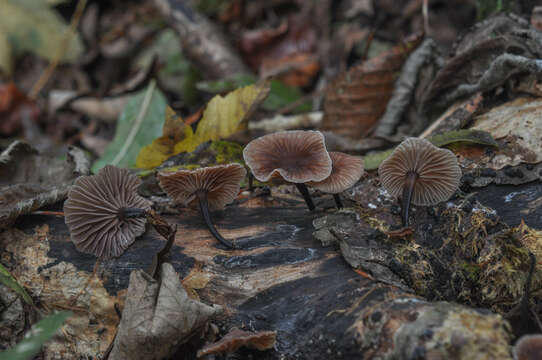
x=301 y=157
x=105 y=214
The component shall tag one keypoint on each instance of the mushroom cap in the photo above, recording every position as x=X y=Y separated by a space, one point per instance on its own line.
x=297 y=156
x=221 y=182
x=528 y=347
x=437 y=169
x=91 y=212
x=346 y=171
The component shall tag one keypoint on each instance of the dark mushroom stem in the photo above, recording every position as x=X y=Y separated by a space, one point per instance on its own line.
x=204 y=207
x=305 y=192
x=408 y=188
x=130 y=213
x=338 y=201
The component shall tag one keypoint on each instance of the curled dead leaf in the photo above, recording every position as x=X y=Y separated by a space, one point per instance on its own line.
x=356 y=99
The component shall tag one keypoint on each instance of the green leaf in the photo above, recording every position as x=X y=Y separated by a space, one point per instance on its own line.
x=466 y=135
x=177 y=74
x=33 y=26
x=372 y=161
x=139 y=124
x=36 y=337
x=8 y=280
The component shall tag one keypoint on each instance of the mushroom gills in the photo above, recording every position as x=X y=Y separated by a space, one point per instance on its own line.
x=408 y=188
x=204 y=207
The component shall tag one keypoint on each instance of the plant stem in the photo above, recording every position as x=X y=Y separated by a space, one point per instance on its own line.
x=305 y=192
x=204 y=207
x=338 y=201
x=408 y=188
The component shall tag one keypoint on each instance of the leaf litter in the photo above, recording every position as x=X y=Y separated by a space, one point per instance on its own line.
x=480 y=101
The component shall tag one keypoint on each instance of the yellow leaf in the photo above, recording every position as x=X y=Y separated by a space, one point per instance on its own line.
x=173 y=132
x=223 y=117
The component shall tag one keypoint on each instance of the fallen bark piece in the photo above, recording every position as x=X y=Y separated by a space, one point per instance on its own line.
x=236 y=338
x=29 y=180
x=157 y=317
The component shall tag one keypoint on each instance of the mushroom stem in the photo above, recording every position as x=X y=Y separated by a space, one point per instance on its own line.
x=305 y=192
x=128 y=212
x=250 y=182
x=338 y=201
x=408 y=188
x=204 y=207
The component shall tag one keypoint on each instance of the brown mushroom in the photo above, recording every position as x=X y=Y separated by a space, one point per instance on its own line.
x=346 y=170
x=528 y=347
x=421 y=173
x=104 y=213
x=296 y=156
x=210 y=187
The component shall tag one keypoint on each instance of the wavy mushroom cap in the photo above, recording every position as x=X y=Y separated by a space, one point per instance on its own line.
x=346 y=171
x=528 y=347
x=296 y=156
x=437 y=169
x=221 y=182
x=92 y=207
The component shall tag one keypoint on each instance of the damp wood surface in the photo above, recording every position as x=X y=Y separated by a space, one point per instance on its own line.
x=282 y=279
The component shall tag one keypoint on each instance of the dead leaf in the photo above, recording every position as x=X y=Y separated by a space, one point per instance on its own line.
x=236 y=338
x=14 y=105
x=174 y=131
x=29 y=181
x=222 y=117
x=289 y=51
x=157 y=317
x=355 y=100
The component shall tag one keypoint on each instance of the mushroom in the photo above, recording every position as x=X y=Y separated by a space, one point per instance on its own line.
x=210 y=187
x=346 y=170
x=104 y=213
x=295 y=156
x=528 y=347
x=421 y=173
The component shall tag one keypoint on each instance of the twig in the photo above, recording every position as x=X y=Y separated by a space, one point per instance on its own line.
x=60 y=52
x=404 y=89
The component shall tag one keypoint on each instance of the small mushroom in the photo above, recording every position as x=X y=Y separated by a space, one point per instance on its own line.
x=346 y=170
x=528 y=347
x=104 y=213
x=210 y=187
x=295 y=156
x=421 y=173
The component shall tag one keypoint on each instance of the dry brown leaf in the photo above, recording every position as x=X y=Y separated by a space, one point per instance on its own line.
x=14 y=105
x=158 y=316
x=236 y=338
x=356 y=99
x=288 y=52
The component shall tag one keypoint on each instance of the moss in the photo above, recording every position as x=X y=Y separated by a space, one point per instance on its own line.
x=471 y=271
x=227 y=152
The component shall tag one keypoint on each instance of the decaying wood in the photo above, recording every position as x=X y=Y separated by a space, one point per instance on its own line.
x=281 y=279
x=202 y=41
